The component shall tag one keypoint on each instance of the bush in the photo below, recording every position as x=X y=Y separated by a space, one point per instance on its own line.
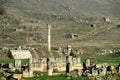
x=118 y=25
x=2 y=10
x=2 y=7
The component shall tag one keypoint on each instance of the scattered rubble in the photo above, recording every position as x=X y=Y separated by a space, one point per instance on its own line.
x=69 y=65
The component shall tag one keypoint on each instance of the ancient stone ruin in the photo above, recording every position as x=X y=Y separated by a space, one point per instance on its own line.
x=69 y=65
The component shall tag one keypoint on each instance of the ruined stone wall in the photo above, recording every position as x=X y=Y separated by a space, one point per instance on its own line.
x=58 y=64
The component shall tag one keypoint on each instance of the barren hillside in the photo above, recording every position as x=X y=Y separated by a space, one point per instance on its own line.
x=25 y=23
x=88 y=7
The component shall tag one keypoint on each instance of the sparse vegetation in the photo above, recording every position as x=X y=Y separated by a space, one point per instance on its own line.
x=2 y=7
x=59 y=77
x=2 y=10
x=25 y=24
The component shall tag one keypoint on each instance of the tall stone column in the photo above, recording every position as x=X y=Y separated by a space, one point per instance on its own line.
x=49 y=38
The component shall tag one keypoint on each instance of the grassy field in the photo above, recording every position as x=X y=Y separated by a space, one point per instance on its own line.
x=59 y=77
x=63 y=77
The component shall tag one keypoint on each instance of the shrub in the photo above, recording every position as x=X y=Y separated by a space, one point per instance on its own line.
x=2 y=10
x=2 y=7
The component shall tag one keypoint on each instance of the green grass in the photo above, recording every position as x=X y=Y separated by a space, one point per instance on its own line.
x=6 y=61
x=110 y=58
x=107 y=60
x=58 y=77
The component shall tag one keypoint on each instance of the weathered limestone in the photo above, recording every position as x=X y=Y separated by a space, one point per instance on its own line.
x=17 y=76
x=113 y=71
x=54 y=66
x=74 y=36
x=20 y=54
x=112 y=67
x=60 y=50
x=86 y=73
x=69 y=48
x=18 y=65
x=79 y=73
x=68 y=64
x=12 y=68
x=25 y=74
x=49 y=67
x=30 y=68
x=94 y=72
x=50 y=71
x=49 y=38
x=103 y=71
x=77 y=63
x=11 y=65
x=39 y=64
x=78 y=60
x=74 y=61
x=87 y=63
x=119 y=69
x=106 y=19
x=69 y=59
x=98 y=65
x=59 y=65
x=63 y=67
x=98 y=78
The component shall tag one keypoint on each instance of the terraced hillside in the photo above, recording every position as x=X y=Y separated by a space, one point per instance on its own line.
x=88 y=7
x=25 y=23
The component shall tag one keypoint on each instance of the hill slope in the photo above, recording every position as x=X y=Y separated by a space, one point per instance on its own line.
x=25 y=21
x=88 y=7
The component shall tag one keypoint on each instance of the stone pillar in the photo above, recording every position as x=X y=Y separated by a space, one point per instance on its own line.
x=18 y=65
x=119 y=69
x=74 y=61
x=78 y=60
x=69 y=49
x=49 y=38
x=87 y=63
x=60 y=51
x=49 y=67
x=104 y=71
x=11 y=65
x=30 y=67
x=68 y=64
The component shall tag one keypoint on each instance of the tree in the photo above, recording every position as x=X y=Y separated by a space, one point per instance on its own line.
x=2 y=10
x=2 y=7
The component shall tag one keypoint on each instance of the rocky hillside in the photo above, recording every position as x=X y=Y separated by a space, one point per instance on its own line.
x=87 y=7
x=24 y=22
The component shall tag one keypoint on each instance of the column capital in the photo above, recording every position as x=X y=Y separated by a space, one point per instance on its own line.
x=49 y=26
